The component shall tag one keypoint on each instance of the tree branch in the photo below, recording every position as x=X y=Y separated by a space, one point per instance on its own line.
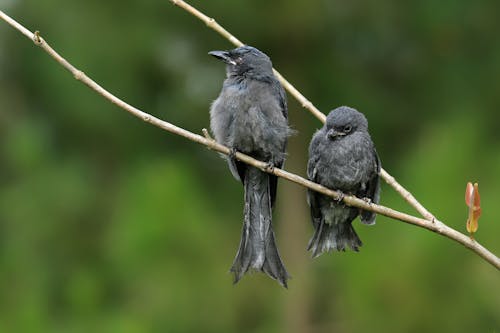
x=304 y=102
x=434 y=225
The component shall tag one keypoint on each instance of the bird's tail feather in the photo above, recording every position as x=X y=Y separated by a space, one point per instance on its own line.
x=329 y=237
x=257 y=247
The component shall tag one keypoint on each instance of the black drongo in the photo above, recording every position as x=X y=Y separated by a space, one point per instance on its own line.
x=250 y=116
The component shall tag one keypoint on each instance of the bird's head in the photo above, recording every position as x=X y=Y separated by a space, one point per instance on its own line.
x=245 y=60
x=343 y=121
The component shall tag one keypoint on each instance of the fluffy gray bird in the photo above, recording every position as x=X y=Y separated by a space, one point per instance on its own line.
x=342 y=156
x=250 y=116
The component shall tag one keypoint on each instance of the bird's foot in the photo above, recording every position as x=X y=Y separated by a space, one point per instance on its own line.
x=232 y=153
x=367 y=200
x=269 y=167
x=340 y=196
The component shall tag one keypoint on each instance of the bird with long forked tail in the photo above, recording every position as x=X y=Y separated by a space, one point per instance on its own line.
x=250 y=116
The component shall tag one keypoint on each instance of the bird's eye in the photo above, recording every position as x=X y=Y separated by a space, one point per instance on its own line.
x=347 y=128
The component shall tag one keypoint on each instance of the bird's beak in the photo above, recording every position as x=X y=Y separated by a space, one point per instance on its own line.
x=223 y=55
x=333 y=134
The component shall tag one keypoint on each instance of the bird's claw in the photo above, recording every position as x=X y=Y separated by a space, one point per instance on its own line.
x=269 y=167
x=340 y=196
x=367 y=200
x=232 y=153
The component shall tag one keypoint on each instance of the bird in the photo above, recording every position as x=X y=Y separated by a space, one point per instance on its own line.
x=342 y=156
x=250 y=116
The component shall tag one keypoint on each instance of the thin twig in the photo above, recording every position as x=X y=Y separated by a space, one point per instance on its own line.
x=206 y=134
x=435 y=226
x=212 y=24
x=304 y=102
x=406 y=195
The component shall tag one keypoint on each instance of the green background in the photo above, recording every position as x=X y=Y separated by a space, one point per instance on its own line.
x=108 y=224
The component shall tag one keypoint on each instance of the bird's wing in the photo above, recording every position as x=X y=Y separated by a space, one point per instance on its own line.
x=279 y=91
x=313 y=196
x=372 y=192
x=273 y=184
x=237 y=168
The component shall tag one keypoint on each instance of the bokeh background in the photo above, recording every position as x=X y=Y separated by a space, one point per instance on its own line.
x=108 y=224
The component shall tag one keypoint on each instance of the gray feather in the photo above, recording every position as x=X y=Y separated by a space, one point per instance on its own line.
x=250 y=116
x=341 y=157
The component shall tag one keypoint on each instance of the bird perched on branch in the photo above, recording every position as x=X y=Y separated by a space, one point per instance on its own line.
x=342 y=157
x=250 y=116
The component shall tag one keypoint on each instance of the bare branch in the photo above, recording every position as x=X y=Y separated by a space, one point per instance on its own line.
x=406 y=195
x=210 y=22
x=305 y=103
x=434 y=225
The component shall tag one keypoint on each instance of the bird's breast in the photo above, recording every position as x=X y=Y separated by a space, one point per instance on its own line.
x=351 y=165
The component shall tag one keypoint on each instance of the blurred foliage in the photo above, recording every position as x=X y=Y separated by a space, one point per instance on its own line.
x=108 y=224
